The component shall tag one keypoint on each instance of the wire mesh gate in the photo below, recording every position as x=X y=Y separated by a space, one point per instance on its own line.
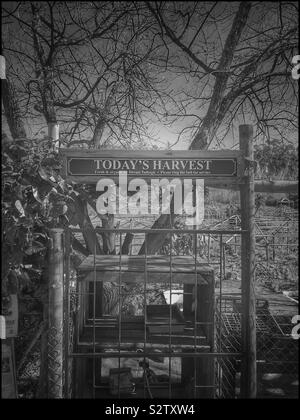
x=167 y=350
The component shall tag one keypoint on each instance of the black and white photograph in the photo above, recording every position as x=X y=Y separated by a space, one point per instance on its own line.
x=150 y=199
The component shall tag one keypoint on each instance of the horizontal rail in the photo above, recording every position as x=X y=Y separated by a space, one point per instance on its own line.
x=161 y=385
x=277 y=245
x=142 y=354
x=179 y=231
x=265 y=186
x=150 y=154
x=276 y=186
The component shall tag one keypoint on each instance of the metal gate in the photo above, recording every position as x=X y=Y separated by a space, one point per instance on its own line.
x=163 y=351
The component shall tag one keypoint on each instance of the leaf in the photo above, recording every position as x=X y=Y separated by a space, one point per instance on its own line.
x=34 y=249
x=59 y=208
x=44 y=190
x=43 y=174
x=19 y=207
x=24 y=278
x=10 y=235
x=17 y=257
x=36 y=195
x=40 y=234
x=26 y=222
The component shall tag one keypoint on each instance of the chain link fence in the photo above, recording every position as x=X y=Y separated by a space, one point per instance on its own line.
x=277 y=351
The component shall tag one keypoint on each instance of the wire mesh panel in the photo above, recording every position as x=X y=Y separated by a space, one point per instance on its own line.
x=277 y=352
x=153 y=346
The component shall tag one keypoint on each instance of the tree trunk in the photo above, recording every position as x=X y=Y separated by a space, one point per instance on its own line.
x=156 y=240
x=109 y=238
x=86 y=225
x=12 y=110
x=127 y=243
x=217 y=109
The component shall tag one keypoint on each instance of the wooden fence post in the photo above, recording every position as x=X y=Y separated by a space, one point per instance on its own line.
x=248 y=368
x=55 y=332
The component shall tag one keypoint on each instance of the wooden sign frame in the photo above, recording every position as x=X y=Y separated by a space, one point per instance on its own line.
x=216 y=167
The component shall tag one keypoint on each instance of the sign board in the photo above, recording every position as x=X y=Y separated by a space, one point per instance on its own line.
x=152 y=167
x=88 y=166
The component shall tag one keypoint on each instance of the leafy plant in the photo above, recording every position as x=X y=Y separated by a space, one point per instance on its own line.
x=33 y=199
x=277 y=159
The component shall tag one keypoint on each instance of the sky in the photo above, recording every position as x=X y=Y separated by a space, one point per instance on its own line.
x=168 y=136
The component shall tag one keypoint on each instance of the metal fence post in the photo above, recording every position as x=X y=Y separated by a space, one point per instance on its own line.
x=55 y=333
x=248 y=369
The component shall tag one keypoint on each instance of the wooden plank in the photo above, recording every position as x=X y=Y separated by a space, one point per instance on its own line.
x=138 y=277
x=276 y=186
x=259 y=186
x=106 y=337
x=137 y=348
x=180 y=264
x=107 y=268
x=147 y=154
